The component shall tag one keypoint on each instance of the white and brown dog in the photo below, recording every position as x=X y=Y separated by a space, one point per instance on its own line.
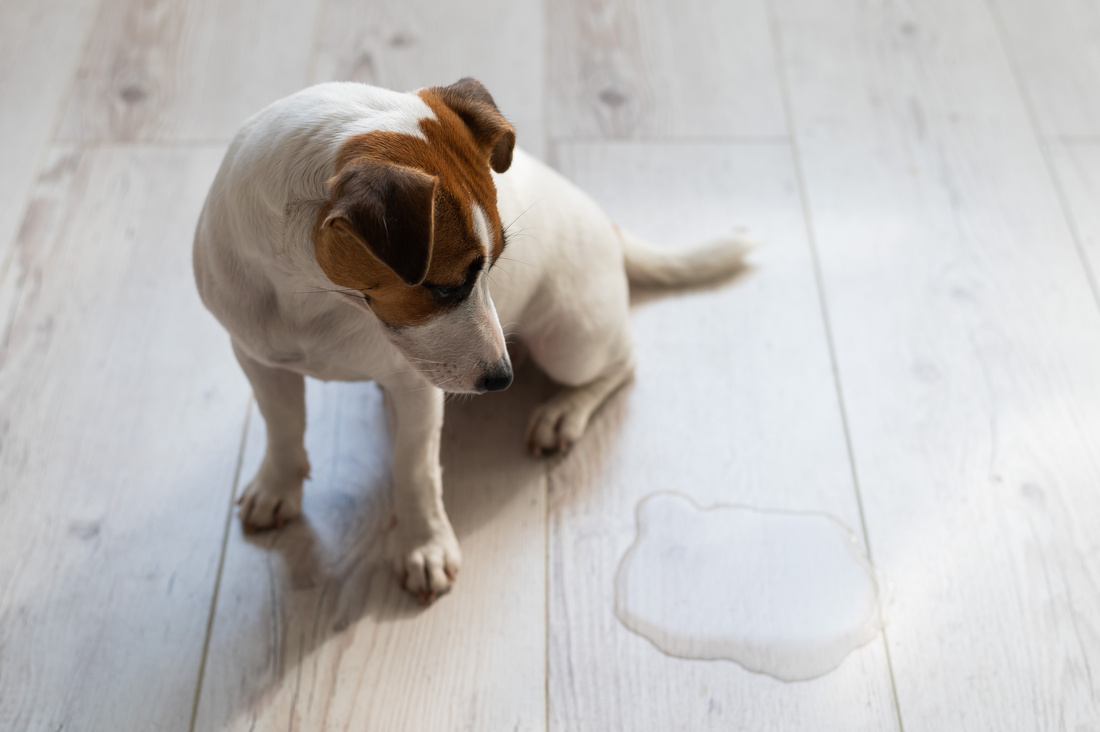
x=394 y=201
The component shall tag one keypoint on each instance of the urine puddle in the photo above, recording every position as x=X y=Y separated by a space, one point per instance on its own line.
x=781 y=593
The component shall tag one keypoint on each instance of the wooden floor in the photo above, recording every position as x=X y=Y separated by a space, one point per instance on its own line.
x=915 y=351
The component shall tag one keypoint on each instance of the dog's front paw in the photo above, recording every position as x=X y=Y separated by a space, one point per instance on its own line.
x=426 y=565
x=273 y=498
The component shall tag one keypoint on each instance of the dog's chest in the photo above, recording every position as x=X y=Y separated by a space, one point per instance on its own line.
x=339 y=344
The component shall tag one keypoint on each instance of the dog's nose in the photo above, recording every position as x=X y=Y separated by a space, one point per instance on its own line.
x=496 y=383
x=497 y=378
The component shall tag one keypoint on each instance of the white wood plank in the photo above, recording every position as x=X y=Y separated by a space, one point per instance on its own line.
x=1055 y=45
x=660 y=68
x=187 y=70
x=121 y=416
x=734 y=402
x=1078 y=169
x=968 y=343
x=312 y=630
x=418 y=43
x=39 y=45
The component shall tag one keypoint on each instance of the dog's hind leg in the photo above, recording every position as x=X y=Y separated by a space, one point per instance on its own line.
x=559 y=422
x=591 y=354
x=275 y=494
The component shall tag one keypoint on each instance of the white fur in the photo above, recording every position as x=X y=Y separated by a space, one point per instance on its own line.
x=454 y=349
x=481 y=228
x=563 y=285
x=651 y=265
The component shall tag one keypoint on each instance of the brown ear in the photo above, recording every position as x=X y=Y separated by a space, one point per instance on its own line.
x=391 y=209
x=472 y=102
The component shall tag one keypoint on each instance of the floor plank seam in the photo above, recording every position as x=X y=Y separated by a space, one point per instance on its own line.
x=101 y=143
x=1044 y=151
x=1072 y=139
x=546 y=588
x=8 y=248
x=548 y=147
x=811 y=240
x=544 y=93
x=320 y=14
x=221 y=566
x=673 y=140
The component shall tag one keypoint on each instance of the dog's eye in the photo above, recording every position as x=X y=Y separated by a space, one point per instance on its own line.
x=444 y=293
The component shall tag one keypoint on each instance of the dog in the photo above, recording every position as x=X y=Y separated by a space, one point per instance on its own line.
x=395 y=203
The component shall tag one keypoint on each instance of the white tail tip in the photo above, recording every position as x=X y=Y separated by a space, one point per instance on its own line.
x=717 y=259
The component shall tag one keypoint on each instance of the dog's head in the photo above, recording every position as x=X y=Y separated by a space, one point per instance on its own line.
x=412 y=228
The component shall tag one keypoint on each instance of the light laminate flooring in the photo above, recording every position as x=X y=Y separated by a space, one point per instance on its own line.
x=915 y=350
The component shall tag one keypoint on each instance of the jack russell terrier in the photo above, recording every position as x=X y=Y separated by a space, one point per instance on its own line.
x=394 y=202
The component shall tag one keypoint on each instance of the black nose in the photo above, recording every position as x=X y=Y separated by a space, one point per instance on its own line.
x=497 y=378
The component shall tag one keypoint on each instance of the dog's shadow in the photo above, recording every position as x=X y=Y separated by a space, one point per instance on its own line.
x=325 y=577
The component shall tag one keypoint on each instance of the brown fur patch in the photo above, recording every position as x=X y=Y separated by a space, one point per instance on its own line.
x=460 y=163
x=391 y=208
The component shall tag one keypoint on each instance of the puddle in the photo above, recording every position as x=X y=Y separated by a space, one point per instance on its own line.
x=781 y=593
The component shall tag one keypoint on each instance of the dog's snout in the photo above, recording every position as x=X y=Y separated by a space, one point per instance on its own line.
x=497 y=377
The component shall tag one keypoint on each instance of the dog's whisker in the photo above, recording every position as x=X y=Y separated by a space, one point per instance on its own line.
x=322 y=290
x=423 y=387
x=396 y=373
x=513 y=234
x=521 y=213
x=513 y=259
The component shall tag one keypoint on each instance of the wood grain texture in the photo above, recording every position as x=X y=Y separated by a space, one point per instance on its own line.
x=968 y=344
x=409 y=45
x=312 y=631
x=1055 y=45
x=659 y=68
x=121 y=416
x=733 y=403
x=187 y=69
x=1077 y=167
x=39 y=46
x=966 y=335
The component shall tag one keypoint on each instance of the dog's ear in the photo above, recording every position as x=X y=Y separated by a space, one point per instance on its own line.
x=472 y=102
x=391 y=210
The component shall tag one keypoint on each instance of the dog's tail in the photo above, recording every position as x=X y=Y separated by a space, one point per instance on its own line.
x=650 y=265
